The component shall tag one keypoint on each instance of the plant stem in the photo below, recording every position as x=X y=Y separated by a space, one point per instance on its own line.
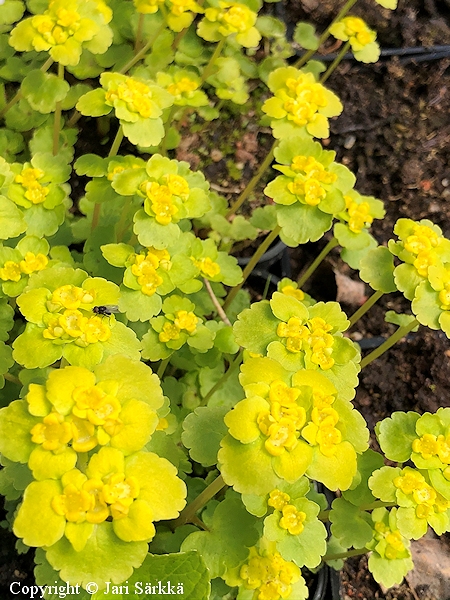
x=341 y=14
x=116 y=143
x=252 y=183
x=45 y=67
x=251 y=265
x=335 y=62
x=216 y=303
x=319 y=258
x=172 y=111
x=57 y=117
x=394 y=338
x=137 y=43
x=209 y=67
x=365 y=307
x=188 y=513
x=338 y=555
x=143 y=51
x=12 y=378
x=162 y=367
x=236 y=362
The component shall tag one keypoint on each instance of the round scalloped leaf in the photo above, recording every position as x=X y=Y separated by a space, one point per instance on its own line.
x=151 y=233
x=247 y=467
x=203 y=431
x=49 y=465
x=336 y=471
x=306 y=548
x=123 y=340
x=184 y=572
x=12 y=220
x=411 y=526
x=15 y=426
x=35 y=511
x=256 y=327
x=93 y=104
x=389 y=572
x=138 y=306
x=359 y=492
x=440 y=483
x=377 y=269
x=352 y=425
x=152 y=348
x=232 y=532
x=104 y=558
x=33 y=351
x=43 y=90
x=284 y=307
x=350 y=525
x=407 y=279
x=302 y=223
x=90 y=165
x=396 y=435
x=305 y=35
x=426 y=305
x=117 y=254
x=382 y=483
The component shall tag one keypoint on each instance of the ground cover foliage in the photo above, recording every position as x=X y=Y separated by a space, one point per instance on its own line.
x=158 y=422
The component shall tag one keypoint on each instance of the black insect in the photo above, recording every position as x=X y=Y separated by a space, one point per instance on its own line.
x=105 y=311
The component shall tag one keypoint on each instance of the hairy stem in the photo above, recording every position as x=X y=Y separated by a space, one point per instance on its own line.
x=188 y=513
x=162 y=367
x=341 y=14
x=140 y=26
x=393 y=339
x=252 y=183
x=210 y=66
x=57 y=116
x=251 y=265
x=335 y=62
x=365 y=307
x=319 y=258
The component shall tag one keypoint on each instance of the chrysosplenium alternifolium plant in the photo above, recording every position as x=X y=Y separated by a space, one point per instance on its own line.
x=143 y=400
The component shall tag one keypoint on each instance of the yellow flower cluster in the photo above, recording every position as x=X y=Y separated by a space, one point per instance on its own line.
x=93 y=500
x=428 y=501
x=183 y=321
x=290 y=290
x=322 y=430
x=429 y=445
x=136 y=95
x=161 y=196
x=207 y=267
x=56 y=28
x=283 y=422
x=358 y=33
x=232 y=16
x=314 y=335
x=308 y=184
x=147 y=6
x=144 y=269
x=292 y=519
x=394 y=540
x=359 y=214
x=271 y=575
x=13 y=271
x=94 y=419
x=184 y=85
x=304 y=98
x=29 y=179
x=422 y=244
x=72 y=324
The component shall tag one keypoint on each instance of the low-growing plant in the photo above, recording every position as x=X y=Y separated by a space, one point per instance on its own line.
x=158 y=426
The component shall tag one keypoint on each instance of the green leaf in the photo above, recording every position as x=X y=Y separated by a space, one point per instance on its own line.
x=182 y=573
x=104 y=558
x=203 y=431
x=399 y=319
x=350 y=525
x=44 y=90
x=359 y=492
x=231 y=533
x=93 y=104
x=389 y=572
x=11 y=218
x=305 y=35
x=377 y=269
x=256 y=327
x=90 y=165
x=396 y=435
x=302 y=223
